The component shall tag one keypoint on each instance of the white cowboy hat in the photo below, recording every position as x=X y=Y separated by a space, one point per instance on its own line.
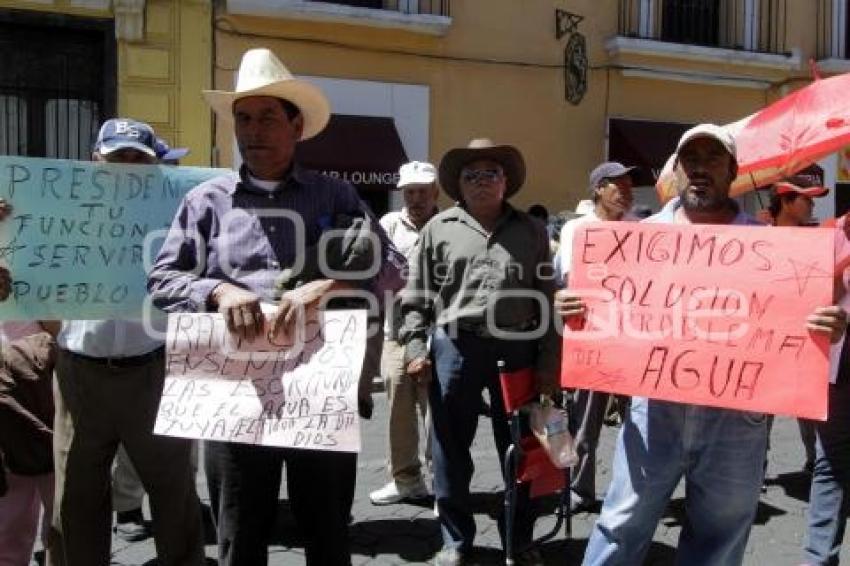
x=262 y=74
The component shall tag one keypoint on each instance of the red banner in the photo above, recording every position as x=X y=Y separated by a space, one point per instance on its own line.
x=704 y=314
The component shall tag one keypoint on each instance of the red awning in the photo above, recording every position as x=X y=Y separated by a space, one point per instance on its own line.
x=644 y=144
x=363 y=150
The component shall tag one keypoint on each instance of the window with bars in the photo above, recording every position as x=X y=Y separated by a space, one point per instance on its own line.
x=357 y=3
x=833 y=29
x=745 y=25
x=57 y=83
x=433 y=7
x=694 y=22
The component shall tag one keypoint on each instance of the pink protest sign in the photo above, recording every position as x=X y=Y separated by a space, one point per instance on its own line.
x=703 y=314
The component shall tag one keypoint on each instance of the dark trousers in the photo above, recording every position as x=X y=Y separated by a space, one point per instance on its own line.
x=244 y=482
x=829 y=500
x=586 y=420
x=463 y=368
x=98 y=407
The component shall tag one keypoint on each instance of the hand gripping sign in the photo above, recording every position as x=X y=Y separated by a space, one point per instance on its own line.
x=703 y=314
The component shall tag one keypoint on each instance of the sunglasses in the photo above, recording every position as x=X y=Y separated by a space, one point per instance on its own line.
x=472 y=176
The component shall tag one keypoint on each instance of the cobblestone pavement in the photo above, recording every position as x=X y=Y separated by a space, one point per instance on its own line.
x=408 y=534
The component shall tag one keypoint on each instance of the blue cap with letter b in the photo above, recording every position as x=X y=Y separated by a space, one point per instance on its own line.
x=124 y=133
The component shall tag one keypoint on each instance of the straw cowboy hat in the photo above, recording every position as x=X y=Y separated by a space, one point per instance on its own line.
x=262 y=74
x=478 y=149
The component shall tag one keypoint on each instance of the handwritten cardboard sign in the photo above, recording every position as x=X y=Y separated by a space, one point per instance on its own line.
x=300 y=393
x=75 y=241
x=702 y=314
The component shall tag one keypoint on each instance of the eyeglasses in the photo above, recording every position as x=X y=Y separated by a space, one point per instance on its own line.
x=473 y=176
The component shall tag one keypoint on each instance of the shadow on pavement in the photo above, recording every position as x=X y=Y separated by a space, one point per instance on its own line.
x=795 y=484
x=674 y=516
x=660 y=555
x=490 y=504
x=414 y=540
x=155 y=562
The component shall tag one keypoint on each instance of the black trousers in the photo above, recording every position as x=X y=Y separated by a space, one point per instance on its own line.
x=244 y=482
x=463 y=367
x=97 y=408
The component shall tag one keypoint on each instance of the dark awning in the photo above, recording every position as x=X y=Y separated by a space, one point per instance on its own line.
x=363 y=150
x=644 y=144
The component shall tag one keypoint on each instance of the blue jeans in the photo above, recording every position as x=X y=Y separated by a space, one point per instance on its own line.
x=828 y=501
x=463 y=368
x=720 y=453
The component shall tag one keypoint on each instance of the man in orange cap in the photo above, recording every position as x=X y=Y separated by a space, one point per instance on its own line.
x=792 y=204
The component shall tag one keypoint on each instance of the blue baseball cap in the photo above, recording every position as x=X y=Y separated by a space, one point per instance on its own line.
x=164 y=152
x=125 y=133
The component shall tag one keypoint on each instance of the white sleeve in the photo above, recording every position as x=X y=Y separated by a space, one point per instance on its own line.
x=565 y=250
x=387 y=222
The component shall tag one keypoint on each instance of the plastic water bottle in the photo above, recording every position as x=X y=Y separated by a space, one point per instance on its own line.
x=560 y=447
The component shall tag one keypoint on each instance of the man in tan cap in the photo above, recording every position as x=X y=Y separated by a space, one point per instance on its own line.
x=418 y=185
x=476 y=286
x=227 y=249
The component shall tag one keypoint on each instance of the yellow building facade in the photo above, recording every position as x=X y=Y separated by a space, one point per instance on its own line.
x=157 y=62
x=500 y=68
x=569 y=82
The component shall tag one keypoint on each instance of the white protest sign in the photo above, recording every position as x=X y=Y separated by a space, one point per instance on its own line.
x=298 y=394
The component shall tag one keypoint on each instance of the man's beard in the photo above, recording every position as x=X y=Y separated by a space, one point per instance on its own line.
x=709 y=202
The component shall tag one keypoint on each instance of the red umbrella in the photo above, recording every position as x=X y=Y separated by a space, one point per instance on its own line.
x=785 y=137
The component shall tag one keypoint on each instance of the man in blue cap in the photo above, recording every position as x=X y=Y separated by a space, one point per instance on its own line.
x=168 y=155
x=110 y=375
x=611 y=189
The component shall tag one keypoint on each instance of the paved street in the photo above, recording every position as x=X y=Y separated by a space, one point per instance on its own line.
x=408 y=534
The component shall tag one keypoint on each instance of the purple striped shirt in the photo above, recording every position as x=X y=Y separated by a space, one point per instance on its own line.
x=226 y=229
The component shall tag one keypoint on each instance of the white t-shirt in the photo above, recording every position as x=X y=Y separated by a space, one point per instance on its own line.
x=565 y=250
x=842 y=256
x=404 y=236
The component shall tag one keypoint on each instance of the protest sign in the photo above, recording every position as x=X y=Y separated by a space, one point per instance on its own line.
x=75 y=241
x=703 y=314
x=299 y=393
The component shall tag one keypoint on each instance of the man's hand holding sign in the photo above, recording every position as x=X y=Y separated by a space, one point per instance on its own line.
x=715 y=321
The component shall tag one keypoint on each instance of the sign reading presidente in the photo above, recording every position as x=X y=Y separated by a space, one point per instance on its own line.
x=299 y=393
x=75 y=242
x=703 y=314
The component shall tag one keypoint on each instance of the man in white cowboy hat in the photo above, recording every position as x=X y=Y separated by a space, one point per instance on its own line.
x=719 y=452
x=418 y=185
x=246 y=244
x=477 y=275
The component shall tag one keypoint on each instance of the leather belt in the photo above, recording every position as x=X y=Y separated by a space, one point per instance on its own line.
x=481 y=330
x=123 y=362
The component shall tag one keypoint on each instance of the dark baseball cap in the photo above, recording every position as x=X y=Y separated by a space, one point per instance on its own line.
x=125 y=133
x=608 y=170
x=164 y=152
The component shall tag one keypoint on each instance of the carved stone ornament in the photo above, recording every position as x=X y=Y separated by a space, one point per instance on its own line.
x=575 y=68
